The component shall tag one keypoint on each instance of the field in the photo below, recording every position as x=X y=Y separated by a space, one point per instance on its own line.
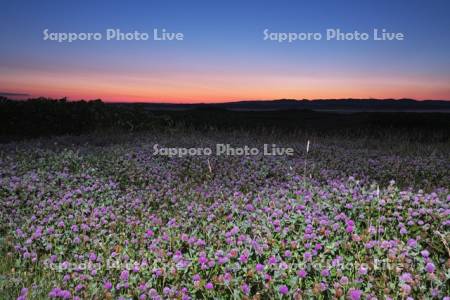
x=99 y=216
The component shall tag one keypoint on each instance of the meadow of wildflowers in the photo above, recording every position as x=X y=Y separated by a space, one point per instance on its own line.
x=356 y=220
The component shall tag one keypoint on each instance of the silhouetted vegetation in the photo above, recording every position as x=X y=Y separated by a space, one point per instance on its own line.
x=44 y=117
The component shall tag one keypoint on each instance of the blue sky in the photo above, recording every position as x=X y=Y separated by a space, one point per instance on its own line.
x=223 y=55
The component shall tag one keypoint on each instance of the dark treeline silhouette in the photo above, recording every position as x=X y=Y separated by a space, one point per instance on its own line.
x=45 y=117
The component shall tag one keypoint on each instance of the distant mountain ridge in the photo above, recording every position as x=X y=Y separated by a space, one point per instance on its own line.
x=318 y=104
x=350 y=104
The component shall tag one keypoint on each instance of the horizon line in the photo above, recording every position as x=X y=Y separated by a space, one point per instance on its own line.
x=206 y=102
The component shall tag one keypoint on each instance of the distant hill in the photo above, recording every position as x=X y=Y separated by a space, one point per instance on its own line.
x=319 y=104
x=424 y=120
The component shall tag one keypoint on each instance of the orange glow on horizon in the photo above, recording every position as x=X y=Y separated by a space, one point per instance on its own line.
x=195 y=88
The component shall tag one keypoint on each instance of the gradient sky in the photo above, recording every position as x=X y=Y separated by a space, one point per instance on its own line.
x=223 y=56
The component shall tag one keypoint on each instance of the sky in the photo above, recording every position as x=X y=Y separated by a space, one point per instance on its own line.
x=223 y=55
